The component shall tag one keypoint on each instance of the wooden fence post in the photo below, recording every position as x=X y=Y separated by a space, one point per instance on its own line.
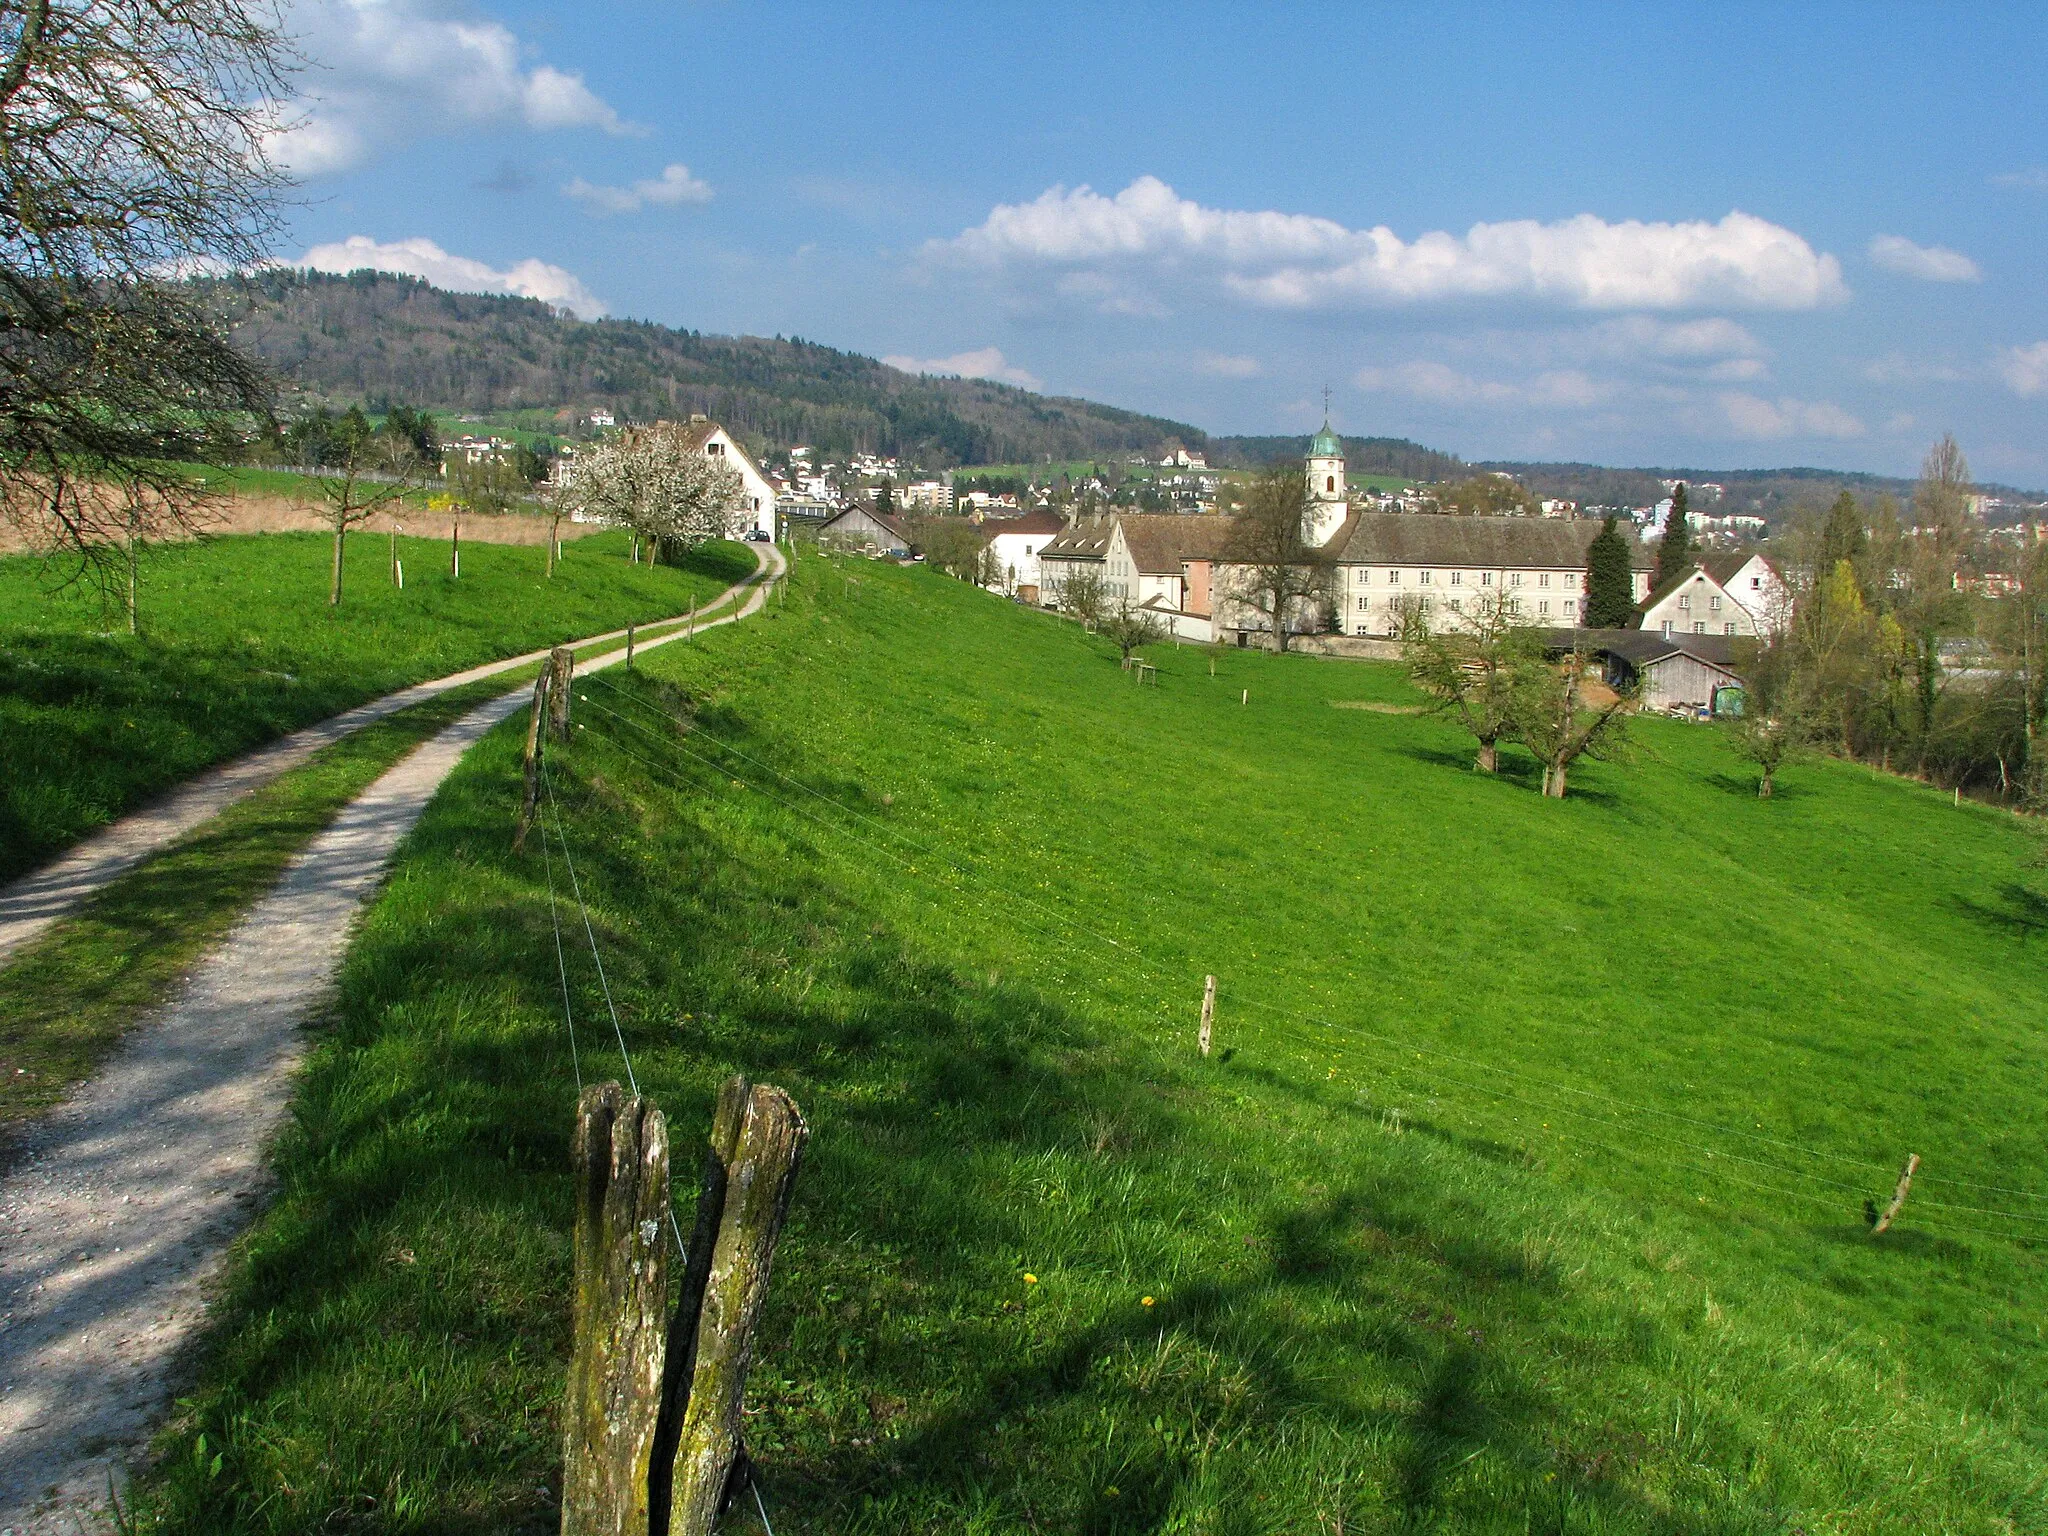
x=629 y=647
x=561 y=678
x=709 y=1460
x=1899 y=1195
x=1208 y=1012
x=615 y=1362
x=529 y=802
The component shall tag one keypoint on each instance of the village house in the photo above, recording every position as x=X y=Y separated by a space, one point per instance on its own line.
x=1082 y=548
x=862 y=528
x=1015 y=544
x=755 y=516
x=1739 y=594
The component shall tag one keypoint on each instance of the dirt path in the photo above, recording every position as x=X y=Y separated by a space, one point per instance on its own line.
x=31 y=903
x=116 y=1218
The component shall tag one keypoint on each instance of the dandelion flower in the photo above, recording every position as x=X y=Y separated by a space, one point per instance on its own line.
x=1144 y=1301
x=1030 y=1279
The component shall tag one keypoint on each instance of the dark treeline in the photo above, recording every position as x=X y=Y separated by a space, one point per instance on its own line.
x=1362 y=456
x=373 y=336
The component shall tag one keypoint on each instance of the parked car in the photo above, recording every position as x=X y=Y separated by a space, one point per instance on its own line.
x=757 y=535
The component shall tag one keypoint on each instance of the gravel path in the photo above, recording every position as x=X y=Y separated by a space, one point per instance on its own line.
x=115 y=1220
x=33 y=902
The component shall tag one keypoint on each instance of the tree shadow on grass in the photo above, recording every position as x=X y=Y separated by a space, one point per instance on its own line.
x=2015 y=909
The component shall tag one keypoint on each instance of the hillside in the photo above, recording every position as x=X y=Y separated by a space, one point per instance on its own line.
x=1515 y=1198
x=372 y=337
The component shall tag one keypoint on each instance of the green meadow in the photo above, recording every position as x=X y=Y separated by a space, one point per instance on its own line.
x=239 y=645
x=1525 y=1190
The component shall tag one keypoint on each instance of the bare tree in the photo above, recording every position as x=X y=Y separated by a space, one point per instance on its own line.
x=133 y=141
x=1476 y=671
x=1271 y=569
x=1082 y=595
x=1127 y=627
x=374 y=474
x=1778 y=719
x=1555 y=721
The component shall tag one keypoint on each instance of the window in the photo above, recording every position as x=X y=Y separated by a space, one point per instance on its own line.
x=1667 y=629
x=1756 y=583
x=1685 y=601
x=1699 y=629
x=1426 y=577
x=714 y=450
x=1456 y=606
x=1329 y=482
x=1393 y=578
x=1364 y=603
x=1731 y=629
x=1713 y=605
x=1544 y=606
x=1514 y=578
x=1543 y=580
x=1457 y=578
x=1486 y=578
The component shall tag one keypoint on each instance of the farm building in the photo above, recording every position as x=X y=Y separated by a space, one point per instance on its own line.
x=860 y=527
x=1678 y=671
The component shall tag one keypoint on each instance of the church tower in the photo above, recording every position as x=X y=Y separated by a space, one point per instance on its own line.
x=1327 y=502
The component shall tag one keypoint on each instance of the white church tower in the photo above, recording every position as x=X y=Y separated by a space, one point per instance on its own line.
x=1328 y=505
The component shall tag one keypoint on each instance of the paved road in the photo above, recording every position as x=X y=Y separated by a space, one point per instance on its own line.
x=31 y=903
x=114 y=1222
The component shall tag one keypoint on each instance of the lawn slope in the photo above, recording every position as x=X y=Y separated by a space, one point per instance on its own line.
x=1524 y=1194
x=239 y=646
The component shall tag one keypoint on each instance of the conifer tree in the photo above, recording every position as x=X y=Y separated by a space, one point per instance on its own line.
x=1610 y=580
x=1674 y=550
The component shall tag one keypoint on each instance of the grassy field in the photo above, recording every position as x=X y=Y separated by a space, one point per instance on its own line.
x=239 y=646
x=1525 y=1193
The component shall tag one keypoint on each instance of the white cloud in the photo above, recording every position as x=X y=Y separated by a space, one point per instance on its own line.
x=2025 y=369
x=1929 y=263
x=1222 y=365
x=1754 y=417
x=417 y=257
x=674 y=185
x=1899 y=368
x=982 y=363
x=1639 y=335
x=2034 y=179
x=1564 y=388
x=384 y=71
x=1296 y=261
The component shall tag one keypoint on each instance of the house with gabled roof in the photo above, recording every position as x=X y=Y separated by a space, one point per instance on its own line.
x=755 y=515
x=863 y=528
x=1708 y=598
x=1015 y=544
x=1081 y=548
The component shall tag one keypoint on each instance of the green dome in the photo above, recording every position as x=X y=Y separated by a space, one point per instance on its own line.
x=1325 y=444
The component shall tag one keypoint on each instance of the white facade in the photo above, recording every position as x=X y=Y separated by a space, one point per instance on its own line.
x=1699 y=605
x=1328 y=500
x=756 y=511
x=1757 y=585
x=1015 y=551
x=1123 y=581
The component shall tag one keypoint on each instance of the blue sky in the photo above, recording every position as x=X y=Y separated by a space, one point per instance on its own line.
x=1713 y=236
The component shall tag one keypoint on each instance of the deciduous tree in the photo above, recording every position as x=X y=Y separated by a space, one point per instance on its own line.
x=1476 y=672
x=1270 y=568
x=133 y=140
x=1553 y=717
x=374 y=474
x=1127 y=627
x=655 y=482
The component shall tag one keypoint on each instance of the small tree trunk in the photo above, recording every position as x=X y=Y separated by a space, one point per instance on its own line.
x=551 y=549
x=1488 y=760
x=616 y=1359
x=455 y=547
x=334 y=587
x=1763 y=784
x=134 y=623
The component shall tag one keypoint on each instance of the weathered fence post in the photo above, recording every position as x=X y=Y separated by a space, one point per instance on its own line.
x=529 y=801
x=1208 y=1012
x=691 y=632
x=561 y=677
x=767 y=1139
x=1899 y=1195
x=629 y=647
x=615 y=1363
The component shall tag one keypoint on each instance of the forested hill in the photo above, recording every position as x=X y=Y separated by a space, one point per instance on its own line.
x=374 y=338
x=1362 y=455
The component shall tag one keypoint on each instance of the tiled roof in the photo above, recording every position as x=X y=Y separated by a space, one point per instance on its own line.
x=1078 y=543
x=1161 y=544
x=1036 y=522
x=1477 y=543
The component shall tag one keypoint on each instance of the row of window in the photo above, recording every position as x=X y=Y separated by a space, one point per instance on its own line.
x=1698 y=629
x=1457 y=578
x=1685 y=602
x=1567 y=608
